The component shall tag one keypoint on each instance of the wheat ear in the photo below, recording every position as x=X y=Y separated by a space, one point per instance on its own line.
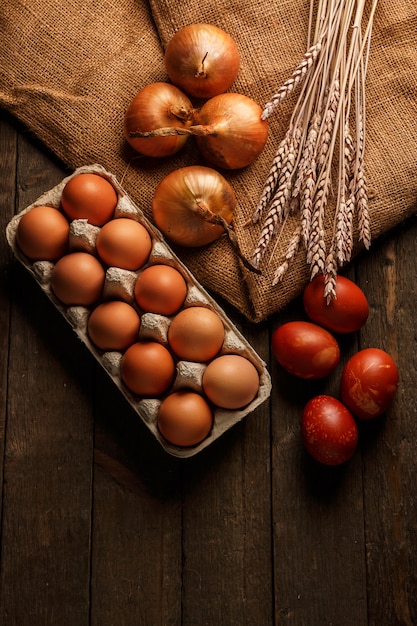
x=298 y=75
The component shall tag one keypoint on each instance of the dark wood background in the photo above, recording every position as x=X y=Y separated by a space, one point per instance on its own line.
x=99 y=526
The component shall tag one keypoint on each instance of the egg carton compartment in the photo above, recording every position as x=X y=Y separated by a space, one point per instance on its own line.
x=119 y=284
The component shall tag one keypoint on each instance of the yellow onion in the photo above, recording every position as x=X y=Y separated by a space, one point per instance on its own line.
x=193 y=206
x=202 y=60
x=235 y=134
x=156 y=105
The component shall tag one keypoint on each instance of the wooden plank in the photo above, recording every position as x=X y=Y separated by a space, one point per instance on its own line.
x=319 y=563
x=136 y=557
x=227 y=575
x=48 y=455
x=389 y=276
x=8 y=158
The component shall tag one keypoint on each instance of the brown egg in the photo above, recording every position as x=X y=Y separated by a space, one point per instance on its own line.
x=185 y=418
x=113 y=325
x=124 y=243
x=89 y=196
x=78 y=279
x=147 y=368
x=42 y=234
x=196 y=334
x=160 y=289
x=230 y=381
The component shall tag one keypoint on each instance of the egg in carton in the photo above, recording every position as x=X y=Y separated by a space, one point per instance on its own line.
x=119 y=284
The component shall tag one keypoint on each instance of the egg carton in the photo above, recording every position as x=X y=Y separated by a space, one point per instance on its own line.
x=119 y=284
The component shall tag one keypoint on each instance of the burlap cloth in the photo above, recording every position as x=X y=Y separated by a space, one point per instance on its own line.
x=69 y=70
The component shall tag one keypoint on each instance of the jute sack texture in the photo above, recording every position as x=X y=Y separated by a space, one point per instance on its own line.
x=69 y=70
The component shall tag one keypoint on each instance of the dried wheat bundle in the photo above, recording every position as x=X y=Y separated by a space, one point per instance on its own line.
x=325 y=140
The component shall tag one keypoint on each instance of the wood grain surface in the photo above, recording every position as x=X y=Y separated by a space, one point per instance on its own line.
x=100 y=527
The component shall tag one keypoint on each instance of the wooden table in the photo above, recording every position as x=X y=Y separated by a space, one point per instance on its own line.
x=101 y=527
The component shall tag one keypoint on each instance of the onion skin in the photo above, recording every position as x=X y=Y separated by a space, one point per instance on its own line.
x=237 y=133
x=156 y=105
x=191 y=204
x=202 y=60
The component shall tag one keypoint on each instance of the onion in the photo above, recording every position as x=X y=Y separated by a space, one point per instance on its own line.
x=235 y=133
x=202 y=60
x=229 y=131
x=193 y=206
x=156 y=105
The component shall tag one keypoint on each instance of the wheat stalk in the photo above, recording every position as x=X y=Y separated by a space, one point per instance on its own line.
x=290 y=253
x=298 y=75
x=273 y=177
x=279 y=206
x=331 y=78
x=316 y=250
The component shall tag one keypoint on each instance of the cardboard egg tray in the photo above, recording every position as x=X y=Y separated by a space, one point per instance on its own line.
x=119 y=284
